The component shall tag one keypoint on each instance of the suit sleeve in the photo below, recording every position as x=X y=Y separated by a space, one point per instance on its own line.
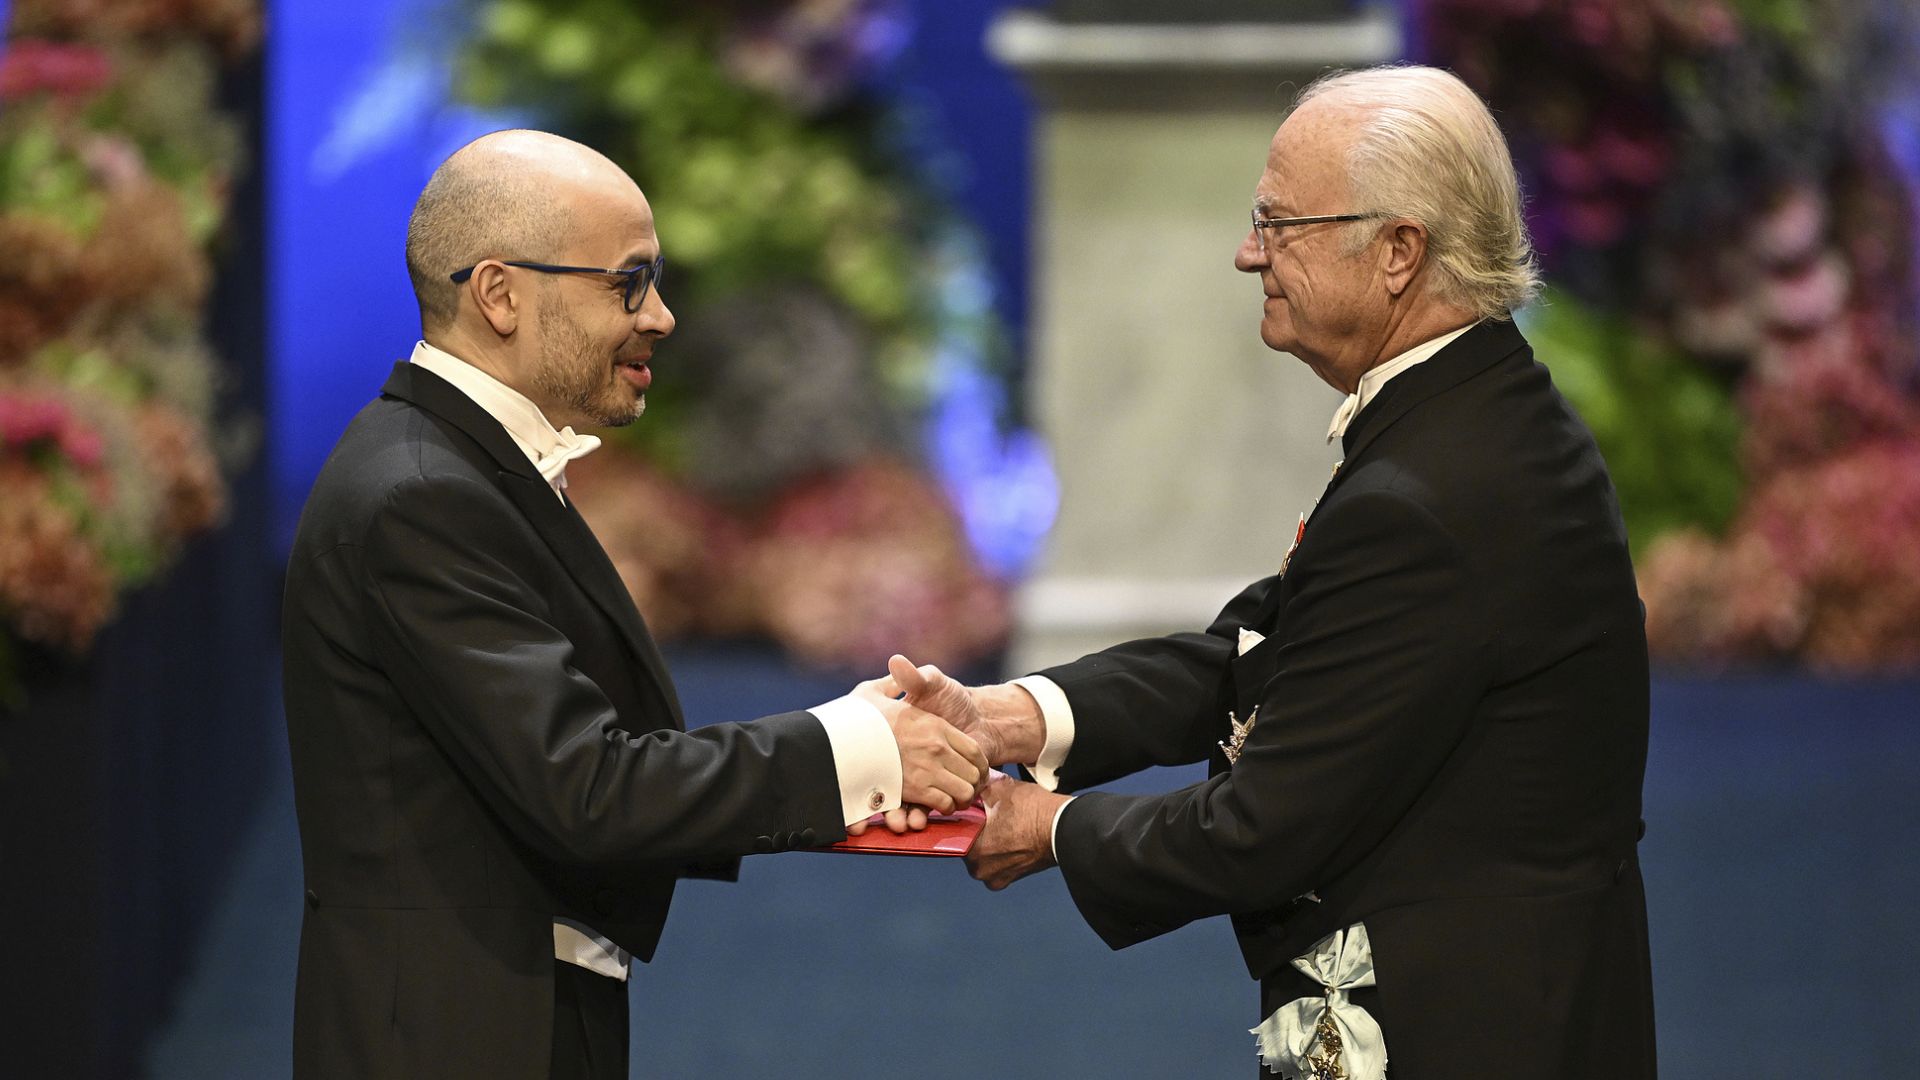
x=457 y=616
x=1152 y=701
x=1376 y=681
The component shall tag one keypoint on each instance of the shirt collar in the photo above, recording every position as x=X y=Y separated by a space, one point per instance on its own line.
x=549 y=450
x=1381 y=374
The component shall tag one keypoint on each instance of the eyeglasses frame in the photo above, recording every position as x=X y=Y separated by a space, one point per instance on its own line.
x=639 y=278
x=1276 y=224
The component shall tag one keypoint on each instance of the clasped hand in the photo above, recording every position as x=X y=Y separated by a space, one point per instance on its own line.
x=941 y=767
x=1002 y=725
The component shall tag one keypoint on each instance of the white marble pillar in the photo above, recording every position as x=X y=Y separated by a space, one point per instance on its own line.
x=1186 y=449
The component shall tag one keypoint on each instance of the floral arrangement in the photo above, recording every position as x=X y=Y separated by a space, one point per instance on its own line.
x=115 y=166
x=824 y=294
x=843 y=569
x=1722 y=194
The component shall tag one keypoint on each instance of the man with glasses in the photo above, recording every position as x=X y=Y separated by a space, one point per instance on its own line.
x=496 y=789
x=1427 y=730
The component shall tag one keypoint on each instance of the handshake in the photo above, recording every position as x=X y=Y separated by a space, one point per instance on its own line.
x=950 y=736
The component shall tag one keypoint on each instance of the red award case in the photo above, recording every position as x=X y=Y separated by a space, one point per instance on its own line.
x=946 y=835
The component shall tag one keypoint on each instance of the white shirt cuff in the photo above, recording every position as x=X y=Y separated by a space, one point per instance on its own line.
x=1058 y=718
x=583 y=946
x=1053 y=834
x=865 y=757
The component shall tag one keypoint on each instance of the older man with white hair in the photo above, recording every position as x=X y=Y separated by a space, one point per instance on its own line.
x=1427 y=731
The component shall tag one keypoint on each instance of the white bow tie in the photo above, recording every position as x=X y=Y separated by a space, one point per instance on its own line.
x=566 y=447
x=1343 y=416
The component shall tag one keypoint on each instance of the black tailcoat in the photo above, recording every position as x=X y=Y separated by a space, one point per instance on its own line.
x=1451 y=738
x=484 y=738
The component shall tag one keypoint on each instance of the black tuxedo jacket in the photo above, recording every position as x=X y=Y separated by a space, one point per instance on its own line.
x=1450 y=743
x=484 y=738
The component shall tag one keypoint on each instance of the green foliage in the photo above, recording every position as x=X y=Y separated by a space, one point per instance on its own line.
x=751 y=188
x=1669 y=431
x=90 y=370
x=41 y=178
x=750 y=191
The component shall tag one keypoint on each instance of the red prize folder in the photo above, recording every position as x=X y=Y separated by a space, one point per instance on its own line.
x=945 y=835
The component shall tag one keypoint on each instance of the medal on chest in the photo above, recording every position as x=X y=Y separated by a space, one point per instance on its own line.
x=1300 y=533
x=1236 y=739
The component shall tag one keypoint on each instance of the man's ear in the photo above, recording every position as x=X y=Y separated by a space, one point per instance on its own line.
x=1403 y=255
x=493 y=295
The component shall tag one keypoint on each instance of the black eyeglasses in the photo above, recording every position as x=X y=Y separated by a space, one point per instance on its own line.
x=1277 y=223
x=639 y=278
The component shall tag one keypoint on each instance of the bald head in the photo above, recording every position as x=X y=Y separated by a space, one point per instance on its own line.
x=508 y=195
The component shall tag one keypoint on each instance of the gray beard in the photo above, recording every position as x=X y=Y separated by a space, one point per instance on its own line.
x=558 y=379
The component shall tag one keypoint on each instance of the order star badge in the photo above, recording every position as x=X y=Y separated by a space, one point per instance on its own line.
x=1231 y=745
x=1326 y=1064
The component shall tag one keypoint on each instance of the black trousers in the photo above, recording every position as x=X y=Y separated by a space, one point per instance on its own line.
x=589 y=1025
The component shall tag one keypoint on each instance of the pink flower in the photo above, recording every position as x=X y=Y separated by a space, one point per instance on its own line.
x=45 y=67
x=1638 y=159
x=1714 y=603
x=1712 y=24
x=1792 y=229
x=1807 y=296
x=114 y=160
x=1819 y=403
x=27 y=419
x=854 y=566
x=37 y=420
x=84 y=448
x=1591 y=23
x=1845 y=529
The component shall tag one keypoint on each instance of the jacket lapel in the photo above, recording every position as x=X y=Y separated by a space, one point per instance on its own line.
x=559 y=524
x=574 y=544
x=1464 y=357
x=1467 y=356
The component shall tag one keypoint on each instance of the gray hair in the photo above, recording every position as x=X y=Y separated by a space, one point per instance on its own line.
x=479 y=204
x=1427 y=148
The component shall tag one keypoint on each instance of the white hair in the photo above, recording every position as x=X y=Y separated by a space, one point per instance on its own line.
x=1428 y=149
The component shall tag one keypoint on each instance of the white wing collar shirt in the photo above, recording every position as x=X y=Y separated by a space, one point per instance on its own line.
x=1381 y=374
x=549 y=450
x=865 y=758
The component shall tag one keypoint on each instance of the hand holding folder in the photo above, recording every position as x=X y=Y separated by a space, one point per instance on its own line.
x=949 y=835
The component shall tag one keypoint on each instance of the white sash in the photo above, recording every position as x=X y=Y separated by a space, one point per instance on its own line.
x=1317 y=1038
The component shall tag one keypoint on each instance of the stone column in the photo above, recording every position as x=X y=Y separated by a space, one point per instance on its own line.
x=1186 y=448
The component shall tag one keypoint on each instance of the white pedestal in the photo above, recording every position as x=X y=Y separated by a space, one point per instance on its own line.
x=1186 y=448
